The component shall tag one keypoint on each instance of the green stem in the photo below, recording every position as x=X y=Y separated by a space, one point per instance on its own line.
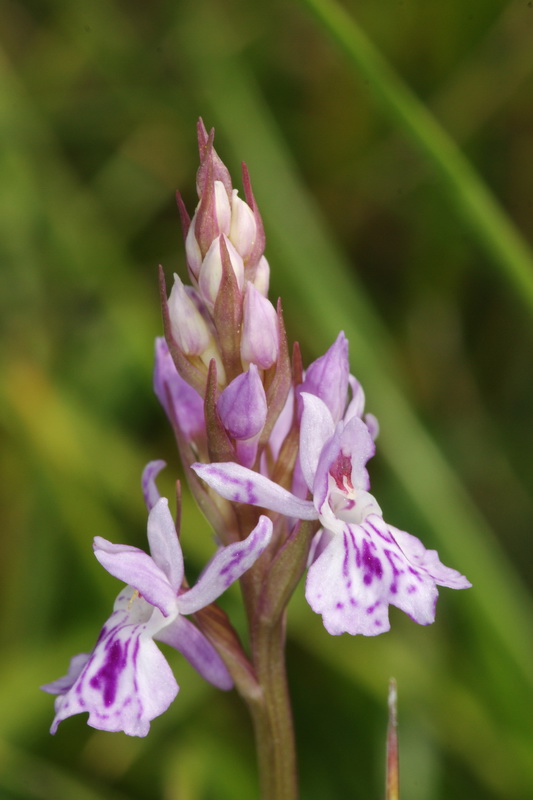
x=274 y=733
x=269 y=703
x=492 y=228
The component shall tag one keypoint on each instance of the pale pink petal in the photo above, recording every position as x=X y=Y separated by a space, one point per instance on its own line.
x=242 y=485
x=165 y=546
x=198 y=650
x=137 y=569
x=62 y=685
x=327 y=377
x=317 y=428
x=226 y=566
x=428 y=561
x=149 y=488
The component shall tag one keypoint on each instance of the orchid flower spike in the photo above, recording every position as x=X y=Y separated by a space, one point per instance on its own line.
x=125 y=682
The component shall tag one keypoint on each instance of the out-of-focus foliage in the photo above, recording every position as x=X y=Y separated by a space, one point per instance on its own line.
x=98 y=104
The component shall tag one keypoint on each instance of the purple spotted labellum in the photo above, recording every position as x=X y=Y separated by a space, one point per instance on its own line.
x=361 y=564
x=125 y=682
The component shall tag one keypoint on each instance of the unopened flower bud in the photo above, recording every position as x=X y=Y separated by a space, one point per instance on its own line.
x=260 y=333
x=183 y=405
x=242 y=405
x=261 y=279
x=188 y=326
x=211 y=270
x=210 y=162
x=223 y=210
x=243 y=229
x=192 y=250
x=243 y=410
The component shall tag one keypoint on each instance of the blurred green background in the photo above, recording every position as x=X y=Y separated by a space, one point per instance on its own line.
x=375 y=224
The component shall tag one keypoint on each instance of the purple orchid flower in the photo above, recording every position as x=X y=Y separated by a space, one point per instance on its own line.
x=126 y=682
x=360 y=564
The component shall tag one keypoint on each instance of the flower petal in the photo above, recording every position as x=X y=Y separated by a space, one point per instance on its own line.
x=62 y=685
x=225 y=567
x=198 y=650
x=356 y=441
x=242 y=485
x=428 y=560
x=125 y=683
x=356 y=406
x=131 y=565
x=351 y=595
x=164 y=543
x=183 y=405
x=327 y=377
x=343 y=456
x=316 y=429
x=367 y=567
x=149 y=489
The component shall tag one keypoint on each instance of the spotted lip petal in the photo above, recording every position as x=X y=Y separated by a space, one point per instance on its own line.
x=365 y=568
x=243 y=485
x=63 y=684
x=340 y=589
x=126 y=681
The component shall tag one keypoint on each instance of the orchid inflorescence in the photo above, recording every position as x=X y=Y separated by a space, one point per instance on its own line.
x=276 y=457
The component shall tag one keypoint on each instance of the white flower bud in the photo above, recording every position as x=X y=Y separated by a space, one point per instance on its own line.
x=261 y=280
x=188 y=326
x=222 y=208
x=243 y=228
x=192 y=249
x=211 y=271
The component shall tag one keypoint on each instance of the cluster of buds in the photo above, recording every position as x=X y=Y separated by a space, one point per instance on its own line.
x=222 y=371
x=276 y=459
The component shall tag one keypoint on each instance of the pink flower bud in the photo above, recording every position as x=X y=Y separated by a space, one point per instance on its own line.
x=242 y=405
x=243 y=229
x=260 y=333
x=211 y=270
x=188 y=326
